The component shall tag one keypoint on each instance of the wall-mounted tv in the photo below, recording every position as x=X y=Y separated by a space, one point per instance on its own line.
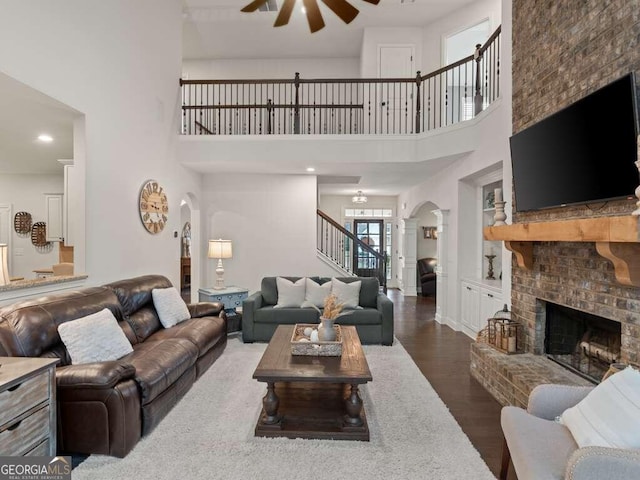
x=584 y=153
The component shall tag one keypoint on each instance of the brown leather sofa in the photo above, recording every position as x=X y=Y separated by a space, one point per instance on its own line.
x=107 y=407
x=427 y=275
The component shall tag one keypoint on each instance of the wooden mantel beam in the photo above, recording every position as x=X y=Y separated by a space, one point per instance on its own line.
x=617 y=239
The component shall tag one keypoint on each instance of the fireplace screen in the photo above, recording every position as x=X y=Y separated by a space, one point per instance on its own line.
x=582 y=342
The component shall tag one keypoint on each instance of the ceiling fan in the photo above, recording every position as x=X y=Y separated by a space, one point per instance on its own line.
x=342 y=8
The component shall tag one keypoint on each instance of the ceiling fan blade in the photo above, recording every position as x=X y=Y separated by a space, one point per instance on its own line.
x=253 y=6
x=285 y=13
x=343 y=9
x=375 y=2
x=313 y=15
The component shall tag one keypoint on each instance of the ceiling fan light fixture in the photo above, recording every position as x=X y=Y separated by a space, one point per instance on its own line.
x=359 y=197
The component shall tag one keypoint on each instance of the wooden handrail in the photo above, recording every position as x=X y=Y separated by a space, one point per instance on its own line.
x=347 y=233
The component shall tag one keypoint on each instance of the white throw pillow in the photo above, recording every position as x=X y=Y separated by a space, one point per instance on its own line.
x=609 y=416
x=290 y=294
x=170 y=306
x=316 y=293
x=348 y=294
x=94 y=338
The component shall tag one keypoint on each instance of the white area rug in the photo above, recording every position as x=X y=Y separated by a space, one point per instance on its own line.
x=209 y=434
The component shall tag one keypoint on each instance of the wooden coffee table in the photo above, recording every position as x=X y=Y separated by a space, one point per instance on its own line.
x=310 y=396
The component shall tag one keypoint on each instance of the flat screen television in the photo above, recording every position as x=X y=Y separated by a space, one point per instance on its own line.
x=582 y=154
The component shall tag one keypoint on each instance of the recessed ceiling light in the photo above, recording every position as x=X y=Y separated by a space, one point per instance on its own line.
x=45 y=138
x=311 y=169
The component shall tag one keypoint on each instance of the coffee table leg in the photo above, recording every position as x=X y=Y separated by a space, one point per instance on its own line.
x=354 y=408
x=270 y=403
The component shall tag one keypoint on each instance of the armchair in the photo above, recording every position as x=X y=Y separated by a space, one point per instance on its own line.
x=542 y=449
x=427 y=275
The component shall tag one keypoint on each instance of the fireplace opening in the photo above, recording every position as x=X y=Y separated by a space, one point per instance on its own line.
x=581 y=342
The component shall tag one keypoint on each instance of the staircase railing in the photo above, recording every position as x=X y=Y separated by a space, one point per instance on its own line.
x=446 y=96
x=349 y=252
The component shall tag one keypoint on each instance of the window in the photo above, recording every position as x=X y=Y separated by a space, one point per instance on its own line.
x=368 y=212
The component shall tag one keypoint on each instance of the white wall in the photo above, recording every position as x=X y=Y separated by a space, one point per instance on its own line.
x=118 y=62
x=270 y=68
x=373 y=37
x=271 y=220
x=25 y=193
x=469 y=15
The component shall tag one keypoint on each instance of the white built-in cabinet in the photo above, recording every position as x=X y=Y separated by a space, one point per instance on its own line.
x=479 y=301
x=479 y=297
x=53 y=206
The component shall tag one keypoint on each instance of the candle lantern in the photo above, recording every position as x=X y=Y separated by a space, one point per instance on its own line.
x=504 y=334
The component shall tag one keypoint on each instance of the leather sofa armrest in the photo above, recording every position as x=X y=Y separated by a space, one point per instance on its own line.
x=385 y=307
x=548 y=401
x=249 y=306
x=101 y=375
x=594 y=463
x=205 y=309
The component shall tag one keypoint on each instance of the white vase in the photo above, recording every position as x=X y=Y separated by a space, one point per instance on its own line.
x=326 y=332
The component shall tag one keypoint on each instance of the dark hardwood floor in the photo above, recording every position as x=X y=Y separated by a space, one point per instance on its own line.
x=443 y=357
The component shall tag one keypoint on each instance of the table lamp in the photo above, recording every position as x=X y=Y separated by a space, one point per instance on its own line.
x=219 y=249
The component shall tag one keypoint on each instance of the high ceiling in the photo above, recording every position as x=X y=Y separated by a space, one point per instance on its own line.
x=218 y=29
x=24 y=114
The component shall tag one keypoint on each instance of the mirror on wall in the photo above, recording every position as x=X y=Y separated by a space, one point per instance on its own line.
x=36 y=146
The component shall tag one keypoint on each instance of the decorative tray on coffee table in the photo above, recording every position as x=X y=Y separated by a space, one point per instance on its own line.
x=302 y=345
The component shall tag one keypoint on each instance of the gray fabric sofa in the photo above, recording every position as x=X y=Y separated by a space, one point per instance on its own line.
x=542 y=449
x=374 y=322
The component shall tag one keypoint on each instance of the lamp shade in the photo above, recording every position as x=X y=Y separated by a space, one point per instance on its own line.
x=4 y=264
x=220 y=249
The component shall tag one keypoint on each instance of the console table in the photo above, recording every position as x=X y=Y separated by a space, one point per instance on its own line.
x=27 y=406
x=231 y=297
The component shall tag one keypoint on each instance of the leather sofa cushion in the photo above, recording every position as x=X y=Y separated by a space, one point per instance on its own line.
x=30 y=328
x=135 y=293
x=144 y=322
x=159 y=364
x=101 y=375
x=286 y=316
x=203 y=332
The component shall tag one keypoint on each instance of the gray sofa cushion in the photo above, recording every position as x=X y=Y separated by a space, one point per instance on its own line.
x=269 y=288
x=368 y=291
x=365 y=316
x=287 y=316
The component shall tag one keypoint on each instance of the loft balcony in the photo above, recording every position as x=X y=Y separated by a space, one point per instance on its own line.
x=365 y=106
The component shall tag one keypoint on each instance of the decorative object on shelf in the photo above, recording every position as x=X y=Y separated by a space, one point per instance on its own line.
x=499 y=217
x=4 y=264
x=22 y=223
x=636 y=212
x=341 y=8
x=39 y=234
x=430 y=233
x=489 y=201
x=490 y=268
x=153 y=206
x=311 y=344
x=502 y=333
x=220 y=249
x=359 y=197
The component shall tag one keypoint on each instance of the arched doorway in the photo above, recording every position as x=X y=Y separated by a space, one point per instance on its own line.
x=190 y=247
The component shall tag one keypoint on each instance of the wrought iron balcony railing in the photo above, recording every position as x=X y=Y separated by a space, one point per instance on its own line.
x=446 y=96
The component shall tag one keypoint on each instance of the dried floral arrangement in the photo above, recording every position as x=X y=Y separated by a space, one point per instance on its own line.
x=332 y=309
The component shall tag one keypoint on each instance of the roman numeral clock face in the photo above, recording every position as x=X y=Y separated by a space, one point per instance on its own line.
x=154 y=207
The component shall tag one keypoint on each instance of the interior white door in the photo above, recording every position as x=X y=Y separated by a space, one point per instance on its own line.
x=395 y=61
x=5 y=228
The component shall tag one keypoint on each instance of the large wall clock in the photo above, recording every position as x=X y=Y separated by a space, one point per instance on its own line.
x=154 y=207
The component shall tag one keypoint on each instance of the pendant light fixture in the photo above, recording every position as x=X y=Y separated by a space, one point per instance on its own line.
x=359 y=197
